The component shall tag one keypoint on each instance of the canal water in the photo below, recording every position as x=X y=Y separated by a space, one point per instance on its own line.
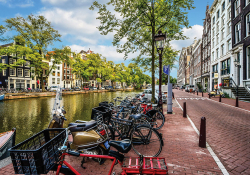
x=29 y=116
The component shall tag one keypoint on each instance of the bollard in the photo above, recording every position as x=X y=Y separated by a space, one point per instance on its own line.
x=220 y=99
x=237 y=102
x=184 y=110
x=202 y=93
x=197 y=92
x=202 y=140
x=172 y=94
x=209 y=96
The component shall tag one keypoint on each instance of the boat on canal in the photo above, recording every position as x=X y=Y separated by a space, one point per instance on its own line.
x=7 y=140
x=1 y=97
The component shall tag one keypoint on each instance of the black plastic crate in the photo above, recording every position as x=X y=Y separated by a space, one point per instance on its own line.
x=104 y=111
x=38 y=154
x=104 y=103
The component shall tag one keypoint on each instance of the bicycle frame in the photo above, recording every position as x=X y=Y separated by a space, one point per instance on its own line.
x=141 y=166
x=62 y=161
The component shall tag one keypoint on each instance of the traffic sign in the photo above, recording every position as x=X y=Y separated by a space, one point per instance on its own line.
x=166 y=69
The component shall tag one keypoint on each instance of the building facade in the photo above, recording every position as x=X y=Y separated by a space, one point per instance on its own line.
x=221 y=61
x=206 y=51
x=196 y=56
x=240 y=17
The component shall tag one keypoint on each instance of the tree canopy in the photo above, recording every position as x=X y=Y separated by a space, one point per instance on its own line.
x=137 y=21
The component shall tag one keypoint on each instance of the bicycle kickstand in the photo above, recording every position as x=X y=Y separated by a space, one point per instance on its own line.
x=82 y=162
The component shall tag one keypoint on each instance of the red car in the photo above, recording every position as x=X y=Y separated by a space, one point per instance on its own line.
x=86 y=88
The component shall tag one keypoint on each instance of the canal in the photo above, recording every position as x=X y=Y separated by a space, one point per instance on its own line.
x=29 y=116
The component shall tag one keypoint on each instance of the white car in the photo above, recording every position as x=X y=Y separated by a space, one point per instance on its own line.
x=148 y=94
x=53 y=88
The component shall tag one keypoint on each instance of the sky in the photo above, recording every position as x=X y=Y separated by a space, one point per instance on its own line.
x=78 y=25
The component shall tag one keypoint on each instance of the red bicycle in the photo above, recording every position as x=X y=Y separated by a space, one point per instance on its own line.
x=130 y=165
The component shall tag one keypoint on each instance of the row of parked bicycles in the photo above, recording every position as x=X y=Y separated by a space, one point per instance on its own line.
x=123 y=124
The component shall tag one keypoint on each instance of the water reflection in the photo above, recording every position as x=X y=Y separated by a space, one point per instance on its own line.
x=29 y=116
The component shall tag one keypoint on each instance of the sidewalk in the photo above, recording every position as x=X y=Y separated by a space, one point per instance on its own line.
x=181 y=150
x=229 y=101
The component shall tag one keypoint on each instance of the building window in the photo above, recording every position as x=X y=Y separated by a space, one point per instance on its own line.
x=19 y=72
x=223 y=21
x=229 y=14
x=237 y=32
x=12 y=61
x=229 y=45
x=218 y=14
x=248 y=24
x=4 y=72
x=68 y=72
x=247 y=2
x=229 y=28
x=248 y=61
x=53 y=73
x=58 y=74
x=225 y=67
x=223 y=6
x=58 y=80
x=236 y=8
x=26 y=72
x=222 y=34
x=53 y=81
x=217 y=53
x=213 y=56
x=222 y=49
x=217 y=28
x=67 y=77
x=58 y=68
x=213 y=20
x=213 y=43
x=217 y=39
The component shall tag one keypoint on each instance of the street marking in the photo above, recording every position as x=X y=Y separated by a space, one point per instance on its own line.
x=189 y=98
x=216 y=159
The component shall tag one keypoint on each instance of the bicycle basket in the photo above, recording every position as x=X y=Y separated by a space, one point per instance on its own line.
x=106 y=113
x=38 y=154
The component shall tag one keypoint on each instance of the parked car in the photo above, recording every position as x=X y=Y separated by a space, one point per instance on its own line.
x=86 y=88
x=77 y=88
x=92 y=88
x=108 y=87
x=102 y=88
x=148 y=94
x=53 y=88
x=189 y=88
x=118 y=87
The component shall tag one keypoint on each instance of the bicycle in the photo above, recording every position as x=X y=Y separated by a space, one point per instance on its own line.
x=143 y=165
x=146 y=140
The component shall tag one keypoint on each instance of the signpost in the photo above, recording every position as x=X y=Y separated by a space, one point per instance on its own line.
x=166 y=70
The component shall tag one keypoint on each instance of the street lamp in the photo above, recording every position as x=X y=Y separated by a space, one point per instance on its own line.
x=159 y=42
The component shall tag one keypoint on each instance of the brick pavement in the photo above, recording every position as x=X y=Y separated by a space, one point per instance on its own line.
x=181 y=150
x=228 y=128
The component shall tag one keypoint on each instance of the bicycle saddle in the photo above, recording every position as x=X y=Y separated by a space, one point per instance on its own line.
x=135 y=116
x=123 y=146
x=84 y=126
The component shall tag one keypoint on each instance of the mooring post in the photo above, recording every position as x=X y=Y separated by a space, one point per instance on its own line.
x=220 y=99
x=237 y=102
x=202 y=93
x=202 y=140
x=197 y=92
x=184 y=110
x=209 y=96
x=172 y=94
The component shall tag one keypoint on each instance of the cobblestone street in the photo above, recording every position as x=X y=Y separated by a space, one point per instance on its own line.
x=228 y=128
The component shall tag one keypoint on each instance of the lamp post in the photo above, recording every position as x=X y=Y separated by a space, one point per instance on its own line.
x=159 y=42
x=238 y=66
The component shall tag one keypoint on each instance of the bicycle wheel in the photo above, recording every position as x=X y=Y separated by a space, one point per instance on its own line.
x=158 y=119
x=146 y=141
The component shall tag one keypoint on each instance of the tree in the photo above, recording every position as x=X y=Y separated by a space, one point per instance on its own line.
x=138 y=21
x=80 y=68
x=35 y=34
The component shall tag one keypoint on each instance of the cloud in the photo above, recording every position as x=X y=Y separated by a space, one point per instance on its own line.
x=195 y=32
x=18 y=3
x=108 y=52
